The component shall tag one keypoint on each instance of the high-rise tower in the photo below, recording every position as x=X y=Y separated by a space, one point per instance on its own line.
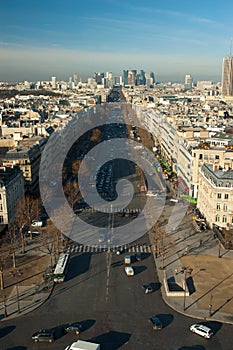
x=227 y=76
x=54 y=82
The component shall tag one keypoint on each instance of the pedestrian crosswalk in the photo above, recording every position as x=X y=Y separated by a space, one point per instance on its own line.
x=78 y=248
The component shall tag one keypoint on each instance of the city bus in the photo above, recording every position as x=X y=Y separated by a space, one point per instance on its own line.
x=61 y=268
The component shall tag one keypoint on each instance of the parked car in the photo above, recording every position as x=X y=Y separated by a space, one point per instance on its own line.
x=34 y=232
x=129 y=270
x=36 y=223
x=75 y=328
x=202 y=330
x=43 y=335
x=147 y=288
x=156 y=323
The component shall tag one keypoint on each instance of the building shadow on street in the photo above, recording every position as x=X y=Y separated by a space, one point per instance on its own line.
x=6 y=330
x=112 y=340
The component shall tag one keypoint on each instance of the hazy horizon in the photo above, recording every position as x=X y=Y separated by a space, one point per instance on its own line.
x=58 y=38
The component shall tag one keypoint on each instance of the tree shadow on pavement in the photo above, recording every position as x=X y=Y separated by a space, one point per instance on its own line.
x=117 y=263
x=112 y=340
x=6 y=330
x=18 y=348
x=194 y=347
x=166 y=319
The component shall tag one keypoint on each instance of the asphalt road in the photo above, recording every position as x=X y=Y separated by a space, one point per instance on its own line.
x=114 y=309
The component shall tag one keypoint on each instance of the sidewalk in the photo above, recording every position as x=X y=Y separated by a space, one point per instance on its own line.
x=195 y=255
x=26 y=290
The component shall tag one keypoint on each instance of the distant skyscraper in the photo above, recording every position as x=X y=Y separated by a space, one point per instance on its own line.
x=152 y=75
x=75 y=79
x=99 y=77
x=188 y=82
x=132 y=77
x=125 y=77
x=227 y=76
x=188 y=79
x=54 y=82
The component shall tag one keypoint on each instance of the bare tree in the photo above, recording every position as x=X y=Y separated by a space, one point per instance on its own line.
x=12 y=242
x=2 y=266
x=72 y=192
x=96 y=135
x=28 y=209
x=75 y=167
x=56 y=236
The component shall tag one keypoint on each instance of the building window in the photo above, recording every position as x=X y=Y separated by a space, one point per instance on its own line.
x=1 y=207
x=225 y=207
x=200 y=156
x=219 y=195
x=226 y=196
x=224 y=218
x=218 y=207
x=217 y=156
x=1 y=219
x=217 y=218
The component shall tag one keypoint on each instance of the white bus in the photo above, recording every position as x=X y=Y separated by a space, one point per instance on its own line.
x=61 y=268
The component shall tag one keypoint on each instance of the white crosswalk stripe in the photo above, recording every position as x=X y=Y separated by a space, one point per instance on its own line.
x=76 y=248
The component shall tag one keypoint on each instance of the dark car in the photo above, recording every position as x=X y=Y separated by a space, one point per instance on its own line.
x=43 y=335
x=138 y=256
x=147 y=288
x=73 y=328
x=156 y=323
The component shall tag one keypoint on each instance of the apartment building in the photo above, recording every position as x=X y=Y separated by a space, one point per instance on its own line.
x=215 y=195
x=11 y=190
x=27 y=156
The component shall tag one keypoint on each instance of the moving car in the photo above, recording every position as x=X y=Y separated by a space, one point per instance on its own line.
x=44 y=335
x=75 y=328
x=101 y=237
x=156 y=323
x=147 y=288
x=138 y=256
x=202 y=330
x=129 y=270
x=83 y=345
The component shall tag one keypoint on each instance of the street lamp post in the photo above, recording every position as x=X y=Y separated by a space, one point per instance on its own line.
x=5 y=308
x=184 y=301
x=17 y=274
x=210 y=305
x=219 y=250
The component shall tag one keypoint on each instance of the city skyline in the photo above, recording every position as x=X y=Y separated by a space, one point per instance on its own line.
x=62 y=38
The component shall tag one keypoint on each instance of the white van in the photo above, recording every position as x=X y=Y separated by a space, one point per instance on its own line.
x=129 y=270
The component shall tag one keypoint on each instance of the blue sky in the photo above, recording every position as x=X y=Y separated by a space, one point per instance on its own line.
x=173 y=38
